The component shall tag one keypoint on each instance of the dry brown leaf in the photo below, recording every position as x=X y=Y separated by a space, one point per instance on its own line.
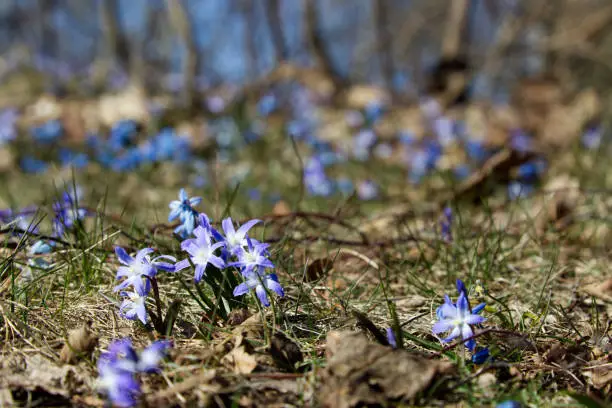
x=602 y=376
x=360 y=373
x=281 y=208
x=600 y=290
x=318 y=269
x=81 y=341
x=240 y=361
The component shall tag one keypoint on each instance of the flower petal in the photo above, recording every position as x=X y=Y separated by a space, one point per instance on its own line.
x=262 y=295
x=241 y=289
x=123 y=256
x=442 y=326
x=474 y=319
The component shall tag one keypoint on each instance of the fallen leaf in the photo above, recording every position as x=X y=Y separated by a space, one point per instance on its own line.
x=600 y=290
x=241 y=361
x=360 y=373
x=318 y=269
x=285 y=352
x=281 y=208
x=81 y=341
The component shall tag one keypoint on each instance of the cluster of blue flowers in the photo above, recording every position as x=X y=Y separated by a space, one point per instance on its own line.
x=233 y=248
x=119 y=367
x=67 y=212
x=138 y=272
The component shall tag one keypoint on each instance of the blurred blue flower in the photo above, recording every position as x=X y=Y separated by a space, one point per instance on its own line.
x=481 y=356
x=68 y=158
x=40 y=247
x=367 y=190
x=47 y=132
x=316 y=181
x=267 y=104
x=517 y=189
x=373 y=111
x=118 y=366
x=476 y=151
x=122 y=134
x=509 y=404
x=362 y=144
x=345 y=185
x=8 y=125
x=31 y=165
x=183 y=207
x=444 y=130
x=520 y=141
x=391 y=337
x=591 y=138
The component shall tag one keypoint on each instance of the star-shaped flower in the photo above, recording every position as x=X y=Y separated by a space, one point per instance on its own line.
x=260 y=283
x=202 y=253
x=458 y=319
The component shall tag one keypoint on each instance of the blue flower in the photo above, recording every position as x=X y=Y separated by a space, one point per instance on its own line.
x=8 y=129
x=509 y=404
x=367 y=190
x=458 y=319
x=201 y=252
x=591 y=138
x=118 y=366
x=518 y=189
x=255 y=256
x=254 y=280
x=183 y=207
x=68 y=158
x=120 y=386
x=391 y=337
x=481 y=356
x=122 y=134
x=134 y=306
x=67 y=211
x=520 y=141
x=40 y=247
x=236 y=239
x=140 y=268
x=48 y=132
x=316 y=181
x=31 y=165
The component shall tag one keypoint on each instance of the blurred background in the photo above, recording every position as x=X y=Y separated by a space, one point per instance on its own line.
x=392 y=43
x=325 y=87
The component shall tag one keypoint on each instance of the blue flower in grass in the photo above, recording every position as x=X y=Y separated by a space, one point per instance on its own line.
x=136 y=270
x=458 y=319
x=117 y=369
x=184 y=211
x=255 y=256
x=134 y=306
x=391 y=337
x=202 y=252
x=260 y=283
x=236 y=239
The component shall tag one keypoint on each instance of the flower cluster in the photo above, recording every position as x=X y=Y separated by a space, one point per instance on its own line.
x=232 y=248
x=138 y=272
x=119 y=366
x=458 y=318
